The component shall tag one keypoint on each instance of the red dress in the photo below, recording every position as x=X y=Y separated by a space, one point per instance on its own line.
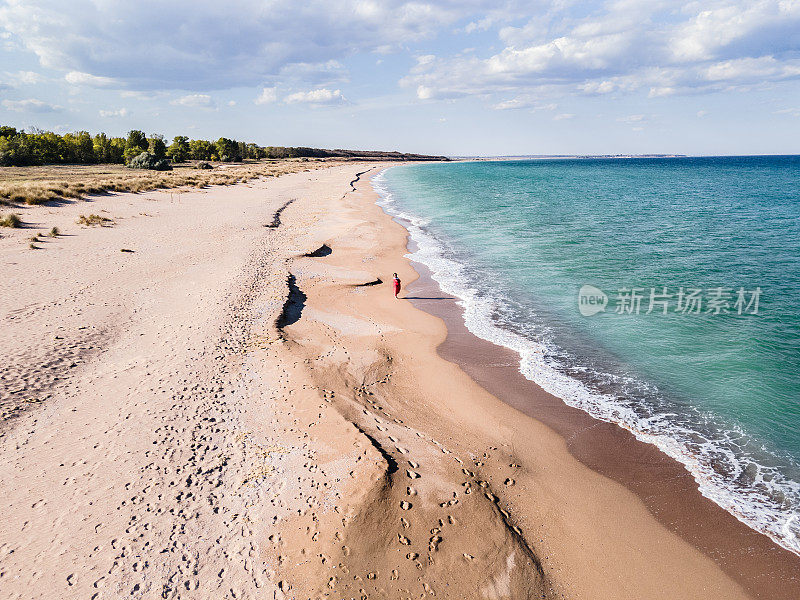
x=396 y=286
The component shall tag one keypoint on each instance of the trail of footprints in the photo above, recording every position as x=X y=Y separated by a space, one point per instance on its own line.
x=202 y=494
x=421 y=553
x=396 y=439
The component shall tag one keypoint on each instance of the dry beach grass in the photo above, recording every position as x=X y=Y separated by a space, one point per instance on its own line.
x=37 y=185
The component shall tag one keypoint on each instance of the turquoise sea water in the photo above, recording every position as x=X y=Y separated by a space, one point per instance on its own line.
x=714 y=382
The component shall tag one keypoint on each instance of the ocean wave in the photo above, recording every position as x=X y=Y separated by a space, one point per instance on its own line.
x=749 y=484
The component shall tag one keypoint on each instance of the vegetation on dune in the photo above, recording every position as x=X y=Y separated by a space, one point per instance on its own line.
x=93 y=220
x=20 y=148
x=37 y=185
x=42 y=166
x=151 y=161
x=10 y=220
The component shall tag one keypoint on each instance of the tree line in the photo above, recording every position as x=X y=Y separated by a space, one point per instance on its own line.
x=19 y=148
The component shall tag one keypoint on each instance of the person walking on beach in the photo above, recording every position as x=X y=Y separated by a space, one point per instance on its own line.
x=396 y=281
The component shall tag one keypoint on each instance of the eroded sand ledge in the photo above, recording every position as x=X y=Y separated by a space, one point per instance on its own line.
x=226 y=412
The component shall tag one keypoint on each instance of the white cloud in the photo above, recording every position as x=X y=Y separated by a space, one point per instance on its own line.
x=603 y=86
x=319 y=97
x=657 y=92
x=658 y=48
x=121 y=112
x=481 y=25
x=747 y=70
x=268 y=95
x=322 y=74
x=195 y=101
x=513 y=104
x=631 y=119
x=719 y=28
x=523 y=102
x=424 y=92
x=23 y=78
x=31 y=106
x=203 y=45
x=78 y=78
x=563 y=117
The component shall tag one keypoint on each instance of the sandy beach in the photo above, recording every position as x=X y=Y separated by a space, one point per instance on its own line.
x=235 y=406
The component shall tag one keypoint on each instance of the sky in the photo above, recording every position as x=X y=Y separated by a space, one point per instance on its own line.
x=454 y=77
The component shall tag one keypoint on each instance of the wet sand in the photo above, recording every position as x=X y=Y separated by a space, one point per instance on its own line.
x=762 y=567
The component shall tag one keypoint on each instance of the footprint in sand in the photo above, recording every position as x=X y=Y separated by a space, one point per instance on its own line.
x=412 y=474
x=405 y=505
x=411 y=491
x=401 y=450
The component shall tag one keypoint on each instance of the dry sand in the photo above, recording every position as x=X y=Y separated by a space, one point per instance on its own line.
x=217 y=415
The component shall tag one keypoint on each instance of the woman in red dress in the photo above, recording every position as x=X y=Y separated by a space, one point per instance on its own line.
x=396 y=281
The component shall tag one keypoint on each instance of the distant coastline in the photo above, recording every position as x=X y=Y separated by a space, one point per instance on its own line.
x=563 y=156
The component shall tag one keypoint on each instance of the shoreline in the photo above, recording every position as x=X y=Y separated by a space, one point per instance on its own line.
x=763 y=567
x=240 y=408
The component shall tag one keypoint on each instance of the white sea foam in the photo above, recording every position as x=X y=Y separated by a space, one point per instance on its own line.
x=767 y=502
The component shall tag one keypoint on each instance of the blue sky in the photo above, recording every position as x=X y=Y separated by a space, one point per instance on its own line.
x=446 y=76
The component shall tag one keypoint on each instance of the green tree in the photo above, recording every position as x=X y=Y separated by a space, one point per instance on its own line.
x=84 y=148
x=9 y=150
x=117 y=150
x=69 y=148
x=48 y=148
x=156 y=146
x=253 y=151
x=135 y=144
x=179 y=149
x=227 y=150
x=102 y=148
x=201 y=150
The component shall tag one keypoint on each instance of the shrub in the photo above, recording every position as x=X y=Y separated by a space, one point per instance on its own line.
x=54 y=232
x=146 y=160
x=203 y=165
x=10 y=220
x=92 y=220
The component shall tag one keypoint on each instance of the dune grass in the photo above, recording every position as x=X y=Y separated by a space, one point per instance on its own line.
x=94 y=220
x=10 y=220
x=38 y=185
